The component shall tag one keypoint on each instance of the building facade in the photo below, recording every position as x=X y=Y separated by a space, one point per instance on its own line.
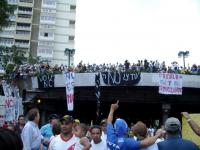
x=19 y=31
x=42 y=28
x=56 y=30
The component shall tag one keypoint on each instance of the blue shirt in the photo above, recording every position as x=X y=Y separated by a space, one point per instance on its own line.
x=46 y=132
x=31 y=136
x=177 y=143
x=120 y=143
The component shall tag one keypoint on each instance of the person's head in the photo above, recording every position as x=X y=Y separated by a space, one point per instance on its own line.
x=140 y=130
x=121 y=127
x=96 y=134
x=76 y=123
x=9 y=140
x=81 y=130
x=172 y=126
x=34 y=115
x=53 y=119
x=66 y=124
x=103 y=125
x=21 y=120
x=56 y=128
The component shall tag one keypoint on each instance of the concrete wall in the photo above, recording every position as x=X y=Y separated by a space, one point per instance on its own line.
x=147 y=79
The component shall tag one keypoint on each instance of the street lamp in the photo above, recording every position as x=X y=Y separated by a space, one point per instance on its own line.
x=184 y=55
x=70 y=53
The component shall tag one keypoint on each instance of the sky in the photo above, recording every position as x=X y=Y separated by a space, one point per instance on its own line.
x=111 y=31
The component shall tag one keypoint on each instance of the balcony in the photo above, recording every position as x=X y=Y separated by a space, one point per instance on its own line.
x=22 y=44
x=25 y=28
x=22 y=36
x=24 y=19
x=49 y=4
x=25 y=3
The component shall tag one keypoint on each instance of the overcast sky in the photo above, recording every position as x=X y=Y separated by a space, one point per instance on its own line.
x=111 y=31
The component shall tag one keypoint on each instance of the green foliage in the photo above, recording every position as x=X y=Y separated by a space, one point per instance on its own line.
x=5 y=11
x=9 y=68
x=13 y=55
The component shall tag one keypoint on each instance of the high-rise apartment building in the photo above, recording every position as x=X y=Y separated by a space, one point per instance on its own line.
x=43 y=28
x=19 y=31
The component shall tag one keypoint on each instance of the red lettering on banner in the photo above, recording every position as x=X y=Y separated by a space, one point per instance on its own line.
x=9 y=103
x=70 y=98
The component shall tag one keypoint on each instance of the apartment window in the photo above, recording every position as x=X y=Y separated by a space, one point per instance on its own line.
x=72 y=22
x=72 y=7
x=12 y=1
x=24 y=16
x=48 y=2
x=45 y=34
x=26 y=1
x=71 y=38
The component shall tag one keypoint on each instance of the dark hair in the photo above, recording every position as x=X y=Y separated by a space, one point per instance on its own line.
x=95 y=127
x=9 y=140
x=56 y=128
x=83 y=127
x=32 y=114
x=21 y=116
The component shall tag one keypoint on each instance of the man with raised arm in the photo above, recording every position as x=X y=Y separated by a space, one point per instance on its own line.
x=117 y=134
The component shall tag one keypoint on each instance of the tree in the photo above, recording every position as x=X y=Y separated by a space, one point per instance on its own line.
x=13 y=55
x=5 y=11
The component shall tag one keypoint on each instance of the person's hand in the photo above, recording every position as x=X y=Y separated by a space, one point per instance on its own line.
x=186 y=115
x=115 y=106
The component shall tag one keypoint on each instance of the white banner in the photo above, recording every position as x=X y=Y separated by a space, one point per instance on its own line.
x=170 y=83
x=10 y=109
x=69 y=78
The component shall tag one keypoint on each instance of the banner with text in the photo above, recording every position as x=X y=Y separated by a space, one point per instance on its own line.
x=46 y=81
x=10 y=109
x=170 y=83
x=69 y=80
x=120 y=78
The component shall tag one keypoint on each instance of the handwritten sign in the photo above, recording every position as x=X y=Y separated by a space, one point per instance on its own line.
x=69 y=78
x=170 y=83
x=46 y=81
x=120 y=78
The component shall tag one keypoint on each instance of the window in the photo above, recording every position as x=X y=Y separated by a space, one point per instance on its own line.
x=45 y=34
x=72 y=22
x=72 y=7
x=71 y=38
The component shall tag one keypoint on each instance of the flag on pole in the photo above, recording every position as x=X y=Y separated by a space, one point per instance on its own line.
x=97 y=93
x=69 y=78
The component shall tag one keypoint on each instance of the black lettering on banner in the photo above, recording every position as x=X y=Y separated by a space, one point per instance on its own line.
x=120 y=78
x=46 y=81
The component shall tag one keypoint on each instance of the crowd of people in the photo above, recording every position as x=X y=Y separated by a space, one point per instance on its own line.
x=141 y=66
x=67 y=133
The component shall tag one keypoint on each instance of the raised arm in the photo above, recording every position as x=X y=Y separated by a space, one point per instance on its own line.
x=113 y=107
x=150 y=140
x=195 y=127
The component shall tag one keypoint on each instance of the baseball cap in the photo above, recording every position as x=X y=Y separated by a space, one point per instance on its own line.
x=77 y=121
x=67 y=119
x=172 y=124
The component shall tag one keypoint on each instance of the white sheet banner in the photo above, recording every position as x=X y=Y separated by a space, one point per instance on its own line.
x=69 y=78
x=170 y=83
x=10 y=109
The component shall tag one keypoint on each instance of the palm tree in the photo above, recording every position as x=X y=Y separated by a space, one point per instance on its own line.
x=184 y=55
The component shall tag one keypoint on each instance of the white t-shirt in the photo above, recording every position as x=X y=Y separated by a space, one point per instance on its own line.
x=58 y=143
x=100 y=146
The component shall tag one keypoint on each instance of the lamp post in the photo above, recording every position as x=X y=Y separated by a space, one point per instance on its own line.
x=70 y=53
x=184 y=55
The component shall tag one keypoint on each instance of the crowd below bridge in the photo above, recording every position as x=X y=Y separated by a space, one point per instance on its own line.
x=67 y=133
x=141 y=66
